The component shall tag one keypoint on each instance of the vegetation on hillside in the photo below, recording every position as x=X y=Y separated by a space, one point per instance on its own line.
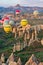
x=7 y=41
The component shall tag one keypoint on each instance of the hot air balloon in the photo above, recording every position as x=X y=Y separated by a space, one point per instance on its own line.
x=1 y=21
x=6 y=23
x=17 y=12
x=24 y=22
x=36 y=13
x=7 y=28
x=11 y=22
x=5 y=19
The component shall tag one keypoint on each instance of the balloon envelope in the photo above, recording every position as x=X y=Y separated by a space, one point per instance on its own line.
x=11 y=22
x=24 y=22
x=2 y=21
x=17 y=11
x=7 y=28
x=6 y=22
x=6 y=18
x=35 y=13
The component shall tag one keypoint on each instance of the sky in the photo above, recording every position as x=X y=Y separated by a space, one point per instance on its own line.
x=7 y=3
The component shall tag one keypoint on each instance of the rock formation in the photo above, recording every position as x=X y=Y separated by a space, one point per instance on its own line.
x=32 y=60
x=19 y=62
x=11 y=58
x=2 y=58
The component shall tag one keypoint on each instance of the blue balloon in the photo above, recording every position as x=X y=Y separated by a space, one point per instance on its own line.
x=6 y=22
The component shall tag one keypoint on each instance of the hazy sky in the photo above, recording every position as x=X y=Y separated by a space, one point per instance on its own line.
x=7 y=3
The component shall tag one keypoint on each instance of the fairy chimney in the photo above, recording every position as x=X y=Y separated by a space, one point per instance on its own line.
x=41 y=27
x=0 y=62
x=19 y=62
x=25 y=36
x=24 y=44
x=34 y=63
x=42 y=41
x=11 y=58
x=14 y=48
x=32 y=36
x=31 y=60
x=15 y=31
x=20 y=32
x=35 y=34
x=2 y=58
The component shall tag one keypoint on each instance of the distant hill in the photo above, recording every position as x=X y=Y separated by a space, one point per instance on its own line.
x=22 y=8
